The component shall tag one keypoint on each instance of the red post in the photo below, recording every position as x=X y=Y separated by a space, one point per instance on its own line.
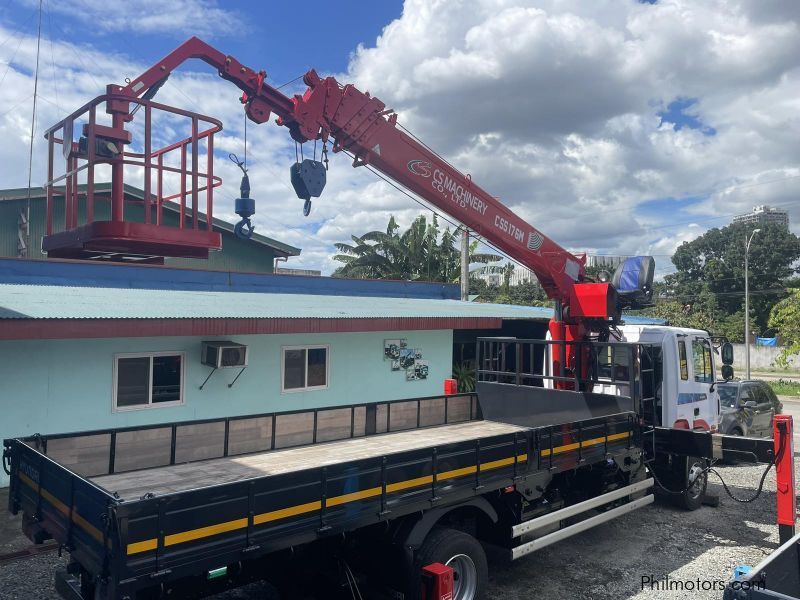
x=782 y=434
x=118 y=174
x=148 y=152
x=437 y=582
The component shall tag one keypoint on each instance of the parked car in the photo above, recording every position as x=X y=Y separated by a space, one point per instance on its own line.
x=747 y=408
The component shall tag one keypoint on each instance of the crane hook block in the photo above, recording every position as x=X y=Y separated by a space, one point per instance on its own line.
x=245 y=207
x=308 y=178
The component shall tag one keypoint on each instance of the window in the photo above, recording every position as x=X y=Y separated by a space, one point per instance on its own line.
x=701 y=361
x=148 y=380
x=304 y=368
x=682 y=358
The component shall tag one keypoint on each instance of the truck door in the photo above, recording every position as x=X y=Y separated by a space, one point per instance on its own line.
x=697 y=404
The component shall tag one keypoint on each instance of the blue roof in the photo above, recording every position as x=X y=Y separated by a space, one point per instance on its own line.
x=109 y=275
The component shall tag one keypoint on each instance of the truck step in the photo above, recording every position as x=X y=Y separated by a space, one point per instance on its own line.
x=571 y=511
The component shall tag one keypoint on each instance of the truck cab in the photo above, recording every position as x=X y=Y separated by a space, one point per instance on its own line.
x=685 y=364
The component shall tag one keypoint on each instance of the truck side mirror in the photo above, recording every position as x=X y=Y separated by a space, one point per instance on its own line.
x=752 y=404
x=727 y=354
x=727 y=372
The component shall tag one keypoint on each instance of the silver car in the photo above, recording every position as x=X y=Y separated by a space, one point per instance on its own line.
x=747 y=408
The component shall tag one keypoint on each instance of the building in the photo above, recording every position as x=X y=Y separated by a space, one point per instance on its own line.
x=255 y=255
x=308 y=272
x=606 y=262
x=764 y=215
x=522 y=275
x=86 y=345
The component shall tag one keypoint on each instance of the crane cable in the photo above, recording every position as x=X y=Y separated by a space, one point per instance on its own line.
x=27 y=216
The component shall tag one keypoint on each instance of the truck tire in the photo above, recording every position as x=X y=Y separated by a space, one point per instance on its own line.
x=460 y=551
x=692 y=469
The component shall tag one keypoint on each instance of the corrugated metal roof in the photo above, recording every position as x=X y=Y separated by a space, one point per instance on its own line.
x=61 y=302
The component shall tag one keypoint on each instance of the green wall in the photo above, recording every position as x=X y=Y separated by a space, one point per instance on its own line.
x=57 y=386
x=236 y=255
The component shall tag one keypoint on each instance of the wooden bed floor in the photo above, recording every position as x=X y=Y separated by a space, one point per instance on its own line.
x=187 y=476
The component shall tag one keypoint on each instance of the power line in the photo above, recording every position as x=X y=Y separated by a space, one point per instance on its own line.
x=27 y=218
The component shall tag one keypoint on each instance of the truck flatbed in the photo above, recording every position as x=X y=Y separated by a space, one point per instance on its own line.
x=183 y=477
x=160 y=506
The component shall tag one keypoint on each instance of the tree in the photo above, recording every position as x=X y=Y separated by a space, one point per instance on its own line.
x=422 y=252
x=785 y=318
x=680 y=315
x=710 y=271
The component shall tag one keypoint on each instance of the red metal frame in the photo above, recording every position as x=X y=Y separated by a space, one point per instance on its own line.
x=783 y=435
x=118 y=238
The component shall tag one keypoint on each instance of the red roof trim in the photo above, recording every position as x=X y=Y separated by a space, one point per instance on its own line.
x=42 y=329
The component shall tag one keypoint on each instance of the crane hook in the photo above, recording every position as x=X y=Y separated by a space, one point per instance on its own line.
x=245 y=205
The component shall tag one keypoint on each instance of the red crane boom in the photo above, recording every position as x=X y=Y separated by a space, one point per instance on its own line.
x=361 y=124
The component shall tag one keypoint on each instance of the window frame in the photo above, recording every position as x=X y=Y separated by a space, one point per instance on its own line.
x=150 y=404
x=683 y=362
x=306 y=388
x=707 y=367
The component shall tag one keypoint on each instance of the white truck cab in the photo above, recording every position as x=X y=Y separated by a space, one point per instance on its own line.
x=687 y=397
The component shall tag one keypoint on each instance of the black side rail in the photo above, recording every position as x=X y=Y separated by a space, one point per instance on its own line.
x=711 y=446
x=778 y=576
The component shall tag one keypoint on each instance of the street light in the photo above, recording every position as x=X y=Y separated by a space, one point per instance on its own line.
x=747 y=305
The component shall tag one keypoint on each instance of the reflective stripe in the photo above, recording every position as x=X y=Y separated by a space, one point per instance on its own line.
x=178 y=538
x=62 y=508
x=592 y=442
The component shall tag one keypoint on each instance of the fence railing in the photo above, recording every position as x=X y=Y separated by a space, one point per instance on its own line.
x=105 y=451
x=618 y=368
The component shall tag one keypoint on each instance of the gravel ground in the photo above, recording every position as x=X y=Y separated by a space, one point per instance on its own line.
x=608 y=562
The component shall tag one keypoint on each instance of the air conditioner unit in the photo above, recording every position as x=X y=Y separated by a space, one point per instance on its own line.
x=224 y=355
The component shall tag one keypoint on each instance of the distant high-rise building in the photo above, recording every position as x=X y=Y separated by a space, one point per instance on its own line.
x=763 y=215
x=521 y=275
x=606 y=262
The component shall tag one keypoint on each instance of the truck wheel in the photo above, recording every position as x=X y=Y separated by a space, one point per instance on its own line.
x=460 y=551
x=692 y=499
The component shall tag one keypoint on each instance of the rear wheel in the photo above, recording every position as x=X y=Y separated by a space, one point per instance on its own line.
x=460 y=551
x=695 y=479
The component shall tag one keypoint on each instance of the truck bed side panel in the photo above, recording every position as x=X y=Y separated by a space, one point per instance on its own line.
x=72 y=510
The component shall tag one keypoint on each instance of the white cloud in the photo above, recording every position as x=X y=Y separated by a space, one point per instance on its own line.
x=185 y=17
x=551 y=106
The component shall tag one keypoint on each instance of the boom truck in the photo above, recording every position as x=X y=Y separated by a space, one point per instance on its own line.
x=561 y=435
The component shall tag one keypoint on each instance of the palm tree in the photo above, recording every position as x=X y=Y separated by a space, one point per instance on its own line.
x=422 y=252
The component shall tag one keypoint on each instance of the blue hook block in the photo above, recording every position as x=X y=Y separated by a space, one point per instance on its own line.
x=245 y=207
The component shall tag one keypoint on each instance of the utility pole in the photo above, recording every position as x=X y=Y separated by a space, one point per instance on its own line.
x=465 y=264
x=747 y=304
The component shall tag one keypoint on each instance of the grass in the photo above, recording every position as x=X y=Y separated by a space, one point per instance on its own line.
x=785 y=388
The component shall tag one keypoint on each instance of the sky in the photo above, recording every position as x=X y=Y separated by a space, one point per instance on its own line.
x=613 y=126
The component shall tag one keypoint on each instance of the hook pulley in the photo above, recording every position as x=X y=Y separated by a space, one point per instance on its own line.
x=245 y=205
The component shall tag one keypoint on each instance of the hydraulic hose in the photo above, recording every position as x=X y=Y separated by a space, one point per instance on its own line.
x=710 y=469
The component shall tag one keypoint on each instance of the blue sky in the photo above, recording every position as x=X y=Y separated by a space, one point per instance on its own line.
x=275 y=36
x=615 y=127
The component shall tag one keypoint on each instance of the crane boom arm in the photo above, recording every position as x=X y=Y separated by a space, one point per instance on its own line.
x=361 y=125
